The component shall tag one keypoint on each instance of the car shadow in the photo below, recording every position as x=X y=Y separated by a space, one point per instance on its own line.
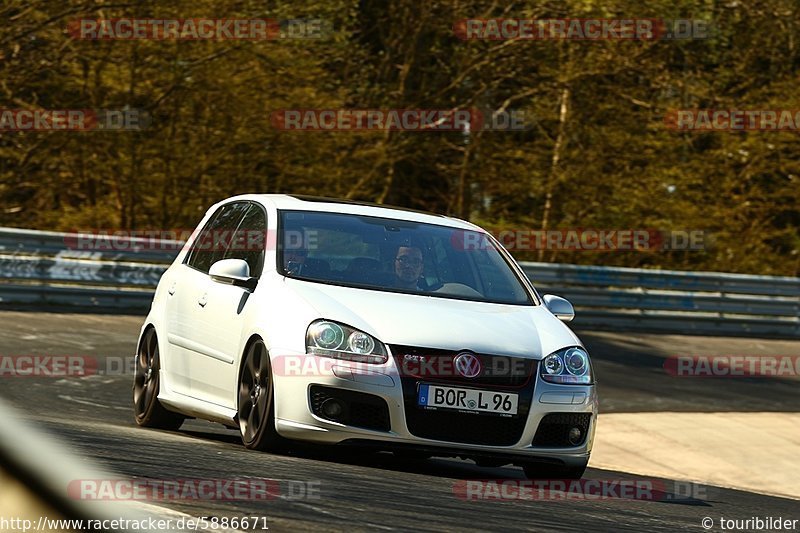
x=658 y=490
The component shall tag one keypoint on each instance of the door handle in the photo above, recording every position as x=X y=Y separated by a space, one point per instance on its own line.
x=171 y=289
x=203 y=300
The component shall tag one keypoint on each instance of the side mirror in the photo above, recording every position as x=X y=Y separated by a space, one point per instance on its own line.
x=560 y=307
x=232 y=272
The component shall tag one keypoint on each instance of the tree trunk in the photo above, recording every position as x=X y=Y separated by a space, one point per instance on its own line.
x=555 y=161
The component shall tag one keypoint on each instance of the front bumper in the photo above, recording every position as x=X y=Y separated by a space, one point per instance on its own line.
x=295 y=418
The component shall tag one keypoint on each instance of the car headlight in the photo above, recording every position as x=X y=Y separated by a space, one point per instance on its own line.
x=330 y=339
x=567 y=366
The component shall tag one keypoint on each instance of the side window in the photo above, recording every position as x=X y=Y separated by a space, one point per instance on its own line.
x=249 y=240
x=213 y=241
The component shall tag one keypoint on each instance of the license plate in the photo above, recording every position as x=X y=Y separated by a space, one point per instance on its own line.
x=436 y=397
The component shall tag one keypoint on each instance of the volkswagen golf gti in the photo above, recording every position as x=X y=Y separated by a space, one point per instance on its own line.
x=295 y=318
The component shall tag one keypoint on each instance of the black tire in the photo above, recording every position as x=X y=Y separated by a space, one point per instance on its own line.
x=147 y=411
x=256 y=406
x=550 y=471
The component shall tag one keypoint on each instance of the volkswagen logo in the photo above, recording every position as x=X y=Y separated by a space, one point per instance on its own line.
x=467 y=364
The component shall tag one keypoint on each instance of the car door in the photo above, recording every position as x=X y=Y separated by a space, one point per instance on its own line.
x=186 y=293
x=182 y=278
x=221 y=320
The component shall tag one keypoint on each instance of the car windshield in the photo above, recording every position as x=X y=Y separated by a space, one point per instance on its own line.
x=397 y=256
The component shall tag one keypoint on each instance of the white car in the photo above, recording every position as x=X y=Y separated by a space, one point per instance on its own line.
x=328 y=321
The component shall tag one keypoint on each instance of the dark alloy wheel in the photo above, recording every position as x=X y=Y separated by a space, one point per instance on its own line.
x=147 y=410
x=256 y=412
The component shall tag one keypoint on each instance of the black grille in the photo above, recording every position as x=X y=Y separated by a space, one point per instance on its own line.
x=431 y=365
x=360 y=409
x=468 y=427
x=465 y=428
x=554 y=429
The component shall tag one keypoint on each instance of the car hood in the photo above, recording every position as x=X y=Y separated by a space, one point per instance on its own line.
x=441 y=323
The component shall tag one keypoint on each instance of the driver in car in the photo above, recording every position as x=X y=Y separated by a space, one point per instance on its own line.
x=408 y=266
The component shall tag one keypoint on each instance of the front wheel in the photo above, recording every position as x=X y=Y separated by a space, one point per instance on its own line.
x=550 y=471
x=256 y=411
x=147 y=410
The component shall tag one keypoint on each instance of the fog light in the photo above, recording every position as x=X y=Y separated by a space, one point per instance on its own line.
x=332 y=409
x=575 y=436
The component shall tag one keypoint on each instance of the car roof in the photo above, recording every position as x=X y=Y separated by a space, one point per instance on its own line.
x=292 y=202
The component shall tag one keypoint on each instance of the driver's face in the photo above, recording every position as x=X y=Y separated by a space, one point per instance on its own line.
x=408 y=264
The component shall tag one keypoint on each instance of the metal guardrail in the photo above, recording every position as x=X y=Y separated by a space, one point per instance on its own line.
x=48 y=269
x=708 y=303
x=43 y=269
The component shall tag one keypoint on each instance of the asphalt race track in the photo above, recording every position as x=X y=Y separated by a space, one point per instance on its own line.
x=364 y=491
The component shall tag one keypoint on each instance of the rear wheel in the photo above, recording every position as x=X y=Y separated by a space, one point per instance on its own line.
x=147 y=410
x=256 y=401
x=550 y=471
